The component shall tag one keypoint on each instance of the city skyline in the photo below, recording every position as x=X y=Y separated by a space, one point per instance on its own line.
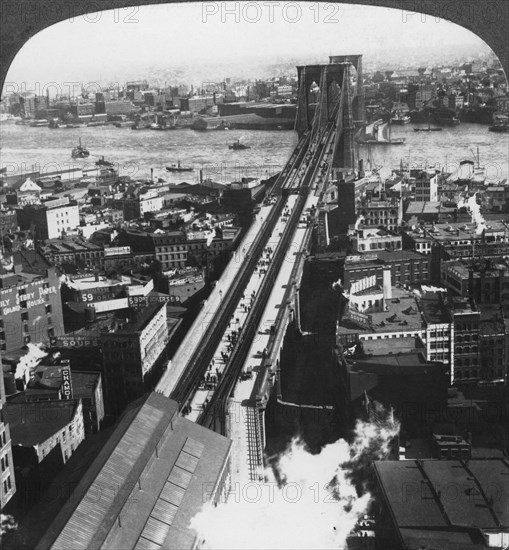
x=196 y=42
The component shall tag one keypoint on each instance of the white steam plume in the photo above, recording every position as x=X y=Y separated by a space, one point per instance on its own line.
x=475 y=212
x=28 y=362
x=307 y=501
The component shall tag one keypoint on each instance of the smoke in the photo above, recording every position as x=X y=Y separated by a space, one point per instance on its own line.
x=336 y=285
x=358 y=221
x=475 y=211
x=306 y=500
x=28 y=362
x=64 y=279
x=7 y=524
x=6 y=262
x=431 y=288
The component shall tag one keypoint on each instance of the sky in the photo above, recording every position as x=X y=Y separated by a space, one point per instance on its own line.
x=212 y=38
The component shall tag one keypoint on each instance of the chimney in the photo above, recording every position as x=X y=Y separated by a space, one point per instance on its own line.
x=361 y=168
x=201 y=176
x=387 y=287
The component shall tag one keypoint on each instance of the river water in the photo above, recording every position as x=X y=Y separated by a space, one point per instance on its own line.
x=136 y=152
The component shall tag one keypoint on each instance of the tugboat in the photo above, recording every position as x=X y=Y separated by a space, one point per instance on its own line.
x=237 y=146
x=501 y=126
x=102 y=162
x=179 y=168
x=80 y=151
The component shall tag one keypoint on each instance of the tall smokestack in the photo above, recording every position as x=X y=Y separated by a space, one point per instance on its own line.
x=201 y=176
x=387 y=287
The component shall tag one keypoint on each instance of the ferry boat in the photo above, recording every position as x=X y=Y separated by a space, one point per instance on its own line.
x=80 y=151
x=179 y=168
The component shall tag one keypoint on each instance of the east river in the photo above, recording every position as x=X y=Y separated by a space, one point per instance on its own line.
x=136 y=152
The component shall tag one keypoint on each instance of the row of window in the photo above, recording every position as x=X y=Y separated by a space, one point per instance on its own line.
x=465 y=374
x=5 y=462
x=466 y=350
x=7 y=485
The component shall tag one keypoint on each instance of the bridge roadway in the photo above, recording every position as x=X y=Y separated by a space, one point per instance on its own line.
x=238 y=320
x=189 y=378
x=189 y=364
x=306 y=173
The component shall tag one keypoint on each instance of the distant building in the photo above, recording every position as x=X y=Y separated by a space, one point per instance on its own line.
x=128 y=350
x=7 y=480
x=74 y=251
x=467 y=320
x=52 y=219
x=30 y=304
x=385 y=213
x=349 y=196
x=43 y=425
x=57 y=382
x=451 y=447
x=8 y=221
x=170 y=249
x=426 y=187
x=407 y=267
x=439 y=330
x=367 y=239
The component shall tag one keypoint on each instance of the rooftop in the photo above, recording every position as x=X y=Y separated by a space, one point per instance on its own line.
x=35 y=422
x=417 y=493
x=455 y=231
x=392 y=346
x=433 y=309
x=402 y=315
x=159 y=466
x=113 y=326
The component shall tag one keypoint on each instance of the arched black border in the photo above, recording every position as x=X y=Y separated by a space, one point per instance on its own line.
x=22 y=19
